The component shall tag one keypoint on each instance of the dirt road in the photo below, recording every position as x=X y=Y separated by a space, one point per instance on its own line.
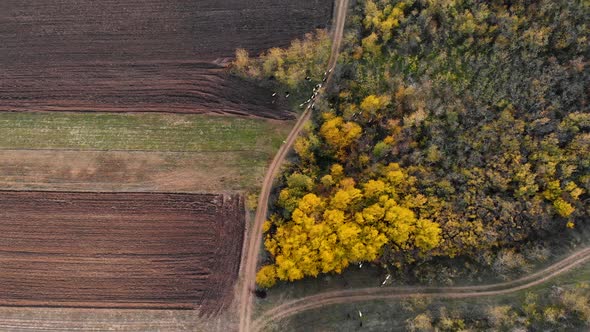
x=294 y=307
x=255 y=236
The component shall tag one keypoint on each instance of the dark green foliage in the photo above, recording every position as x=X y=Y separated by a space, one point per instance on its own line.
x=483 y=104
x=492 y=99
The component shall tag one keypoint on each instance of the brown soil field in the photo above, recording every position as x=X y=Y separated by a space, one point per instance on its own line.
x=15 y=319
x=120 y=250
x=143 y=55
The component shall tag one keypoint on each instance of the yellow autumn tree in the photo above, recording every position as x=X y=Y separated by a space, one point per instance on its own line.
x=266 y=276
x=374 y=188
x=289 y=66
x=372 y=105
x=383 y=21
x=347 y=225
x=242 y=59
x=428 y=235
x=563 y=208
x=340 y=134
x=371 y=45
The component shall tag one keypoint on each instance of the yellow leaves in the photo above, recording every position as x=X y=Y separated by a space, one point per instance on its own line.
x=324 y=234
x=347 y=233
x=537 y=36
x=302 y=147
x=526 y=179
x=570 y=225
x=358 y=252
x=290 y=65
x=373 y=213
x=358 y=218
x=287 y=200
x=327 y=180
x=407 y=218
x=553 y=190
x=372 y=104
x=371 y=243
x=340 y=134
x=433 y=154
x=563 y=208
x=283 y=265
x=381 y=149
x=328 y=259
x=299 y=182
x=310 y=203
x=334 y=217
x=428 y=235
x=337 y=171
x=266 y=276
x=327 y=116
x=400 y=234
x=574 y=190
x=374 y=188
x=349 y=111
x=284 y=195
x=371 y=14
x=576 y=302
x=271 y=245
x=340 y=200
x=242 y=59
x=468 y=24
x=371 y=45
x=301 y=218
x=266 y=226
x=395 y=177
x=388 y=140
x=363 y=160
x=347 y=183
x=417 y=201
x=344 y=197
x=273 y=63
x=399 y=215
x=383 y=20
x=374 y=237
x=401 y=224
x=387 y=26
x=358 y=53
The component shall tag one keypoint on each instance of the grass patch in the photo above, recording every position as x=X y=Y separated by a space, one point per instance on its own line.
x=137 y=152
x=145 y=132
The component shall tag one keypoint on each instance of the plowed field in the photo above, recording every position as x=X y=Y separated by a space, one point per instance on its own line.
x=143 y=55
x=119 y=250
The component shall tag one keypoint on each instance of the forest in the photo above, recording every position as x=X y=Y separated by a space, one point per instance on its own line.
x=456 y=128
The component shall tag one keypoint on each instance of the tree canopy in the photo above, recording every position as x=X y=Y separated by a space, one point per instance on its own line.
x=455 y=128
